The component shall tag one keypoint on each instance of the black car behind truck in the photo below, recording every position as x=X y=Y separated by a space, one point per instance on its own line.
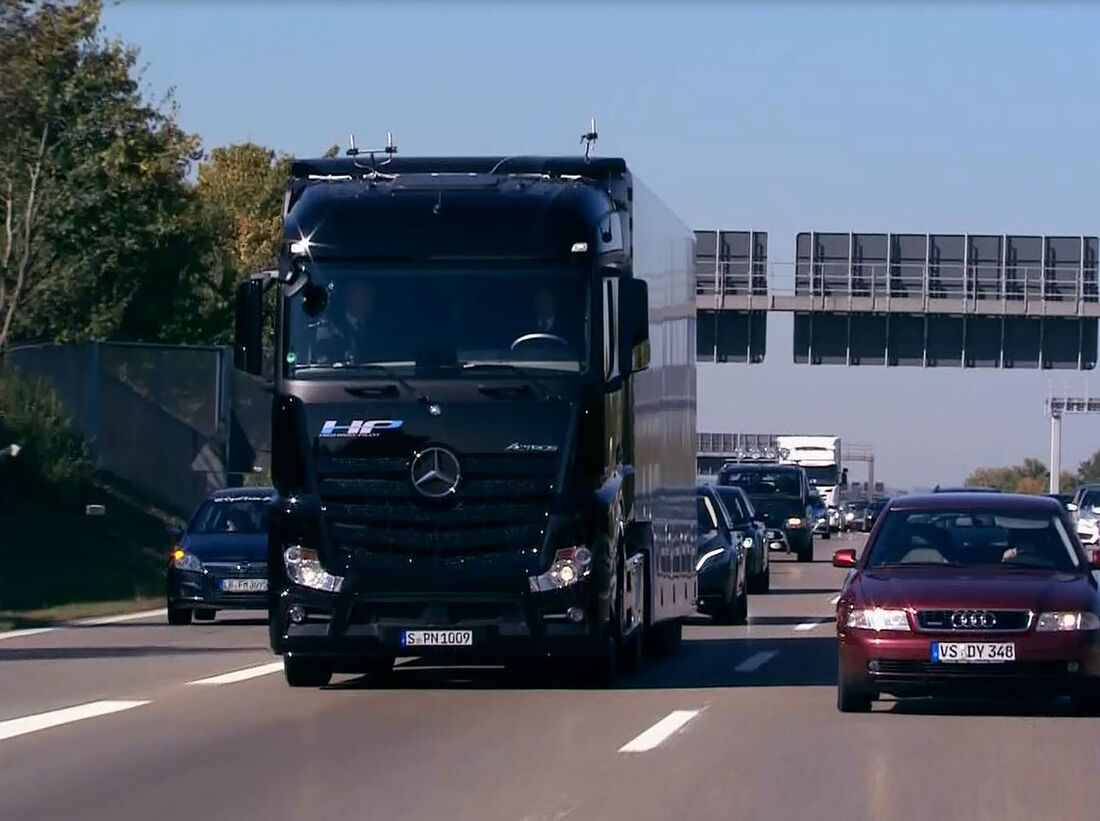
x=483 y=421
x=782 y=497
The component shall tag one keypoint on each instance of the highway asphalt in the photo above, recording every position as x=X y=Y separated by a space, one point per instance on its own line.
x=105 y=722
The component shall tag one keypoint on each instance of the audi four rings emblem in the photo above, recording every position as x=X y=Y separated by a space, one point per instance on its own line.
x=435 y=472
x=972 y=619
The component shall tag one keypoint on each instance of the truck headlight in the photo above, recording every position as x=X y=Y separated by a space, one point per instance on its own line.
x=182 y=560
x=570 y=565
x=747 y=543
x=794 y=521
x=1065 y=621
x=879 y=618
x=303 y=566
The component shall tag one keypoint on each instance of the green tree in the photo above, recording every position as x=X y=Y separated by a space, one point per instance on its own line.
x=1089 y=470
x=241 y=187
x=1030 y=477
x=104 y=235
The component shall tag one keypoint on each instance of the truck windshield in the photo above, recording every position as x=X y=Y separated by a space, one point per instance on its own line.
x=439 y=319
x=823 y=475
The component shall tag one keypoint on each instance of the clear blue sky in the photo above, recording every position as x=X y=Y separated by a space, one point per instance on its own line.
x=779 y=117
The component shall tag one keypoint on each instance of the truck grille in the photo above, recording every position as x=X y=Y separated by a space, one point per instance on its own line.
x=500 y=505
x=974 y=620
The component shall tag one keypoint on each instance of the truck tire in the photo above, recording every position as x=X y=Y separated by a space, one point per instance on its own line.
x=305 y=672
x=762 y=582
x=205 y=615
x=826 y=534
x=666 y=637
x=806 y=552
x=179 y=615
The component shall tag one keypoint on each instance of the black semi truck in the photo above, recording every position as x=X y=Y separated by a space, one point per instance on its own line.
x=483 y=421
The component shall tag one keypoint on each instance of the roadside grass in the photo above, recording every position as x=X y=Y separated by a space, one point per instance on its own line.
x=51 y=616
x=58 y=564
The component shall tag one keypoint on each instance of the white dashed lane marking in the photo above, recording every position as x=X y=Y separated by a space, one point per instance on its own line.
x=808 y=625
x=18 y=634
x=659 y=732
x=756 y=661
x=43 y=721
x=241 y=675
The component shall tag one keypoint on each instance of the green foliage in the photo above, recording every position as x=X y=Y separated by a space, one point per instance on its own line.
x=33 y=417
x=1030 y=477
x=110 y=240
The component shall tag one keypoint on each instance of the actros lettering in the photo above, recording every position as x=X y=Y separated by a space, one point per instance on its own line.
x=358 y=427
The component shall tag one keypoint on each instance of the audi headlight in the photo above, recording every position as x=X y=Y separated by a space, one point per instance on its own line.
x=879 y=618
x=709 y=557
x=303 y=567
x=1063 y=621
x=182 y=560
x=570 y=565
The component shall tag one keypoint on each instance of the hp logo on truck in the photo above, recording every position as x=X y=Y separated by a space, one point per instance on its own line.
x=371 y=427
x=436 y=473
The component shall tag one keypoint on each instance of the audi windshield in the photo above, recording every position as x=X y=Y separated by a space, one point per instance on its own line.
x=355 y=317
x=1009 y=539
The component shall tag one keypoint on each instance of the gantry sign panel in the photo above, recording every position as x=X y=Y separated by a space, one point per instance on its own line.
x=978 y=270
x=935 y=340
x=730 y=263
x=946 y=300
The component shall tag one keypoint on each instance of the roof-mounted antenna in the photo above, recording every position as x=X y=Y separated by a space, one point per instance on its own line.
x=389 y=150
x=590 y=138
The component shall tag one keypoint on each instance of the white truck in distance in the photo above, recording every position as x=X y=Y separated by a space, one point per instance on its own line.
x=820 y=456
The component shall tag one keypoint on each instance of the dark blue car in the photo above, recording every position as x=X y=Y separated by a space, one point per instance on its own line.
x=220 y=560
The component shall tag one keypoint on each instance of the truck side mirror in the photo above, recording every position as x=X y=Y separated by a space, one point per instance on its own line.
x=634 y=326
x=248 y=350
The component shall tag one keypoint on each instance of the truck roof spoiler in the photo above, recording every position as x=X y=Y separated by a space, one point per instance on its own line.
x=599 y=168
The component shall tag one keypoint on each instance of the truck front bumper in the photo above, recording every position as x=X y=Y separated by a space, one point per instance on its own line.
x=499 y=626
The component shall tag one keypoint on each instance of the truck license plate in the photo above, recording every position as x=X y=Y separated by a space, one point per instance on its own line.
x=973 y=652
x=437 y=638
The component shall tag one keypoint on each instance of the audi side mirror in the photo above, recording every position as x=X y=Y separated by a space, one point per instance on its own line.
x=844 y=558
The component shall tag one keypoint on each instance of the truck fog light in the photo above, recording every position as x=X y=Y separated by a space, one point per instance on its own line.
x=872 y=665
x=1073 y=666
x=570 y=565
x=575 y=614
x=297 y=613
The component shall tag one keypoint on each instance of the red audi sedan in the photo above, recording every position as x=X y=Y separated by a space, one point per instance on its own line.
x=969 y=594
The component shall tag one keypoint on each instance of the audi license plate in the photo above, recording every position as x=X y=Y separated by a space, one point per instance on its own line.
x=973 y=652
x=244 y=585
x=437 y=638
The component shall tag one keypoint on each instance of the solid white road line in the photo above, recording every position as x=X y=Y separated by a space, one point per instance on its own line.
x=659 y=732
x=241 y=675
x=30 y=631
x=144 y=614
x=755 y=661
x=43 y=721
x=808 y=625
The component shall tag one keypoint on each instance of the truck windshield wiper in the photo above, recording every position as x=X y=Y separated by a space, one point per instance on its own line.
x=526 y=374
x=386 y=370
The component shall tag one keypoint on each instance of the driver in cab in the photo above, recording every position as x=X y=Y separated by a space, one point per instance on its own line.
x=546 y=330
x=349 y=332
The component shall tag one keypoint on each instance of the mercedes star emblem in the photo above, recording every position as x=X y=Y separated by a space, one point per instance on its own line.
x=435 y=472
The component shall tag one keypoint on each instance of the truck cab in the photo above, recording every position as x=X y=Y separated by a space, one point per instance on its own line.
x=475 y=448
